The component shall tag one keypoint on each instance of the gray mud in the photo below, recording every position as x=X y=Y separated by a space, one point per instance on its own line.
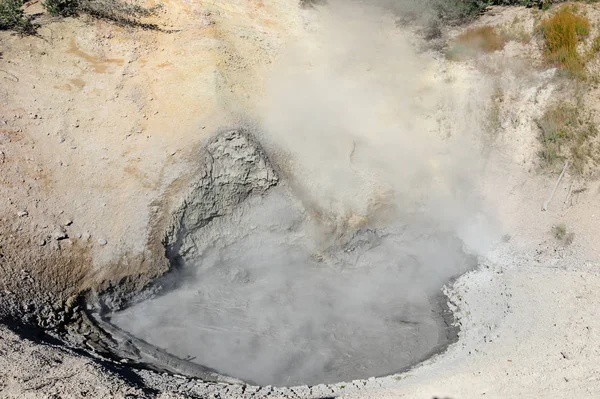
x=261 y=301
x=262 y=291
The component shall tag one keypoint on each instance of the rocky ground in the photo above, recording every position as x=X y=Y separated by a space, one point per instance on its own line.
x=100 y=125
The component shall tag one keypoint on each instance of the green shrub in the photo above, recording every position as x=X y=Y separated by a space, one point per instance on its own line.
x=117 y=11
x=567 y=133
x=458 y=11
x=12 y=17
x=63 y=8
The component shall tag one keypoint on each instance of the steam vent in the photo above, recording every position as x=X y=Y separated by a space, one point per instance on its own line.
x=259 y=292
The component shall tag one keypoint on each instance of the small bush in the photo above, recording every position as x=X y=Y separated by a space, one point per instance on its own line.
x=117 y=11
x=458 y=11
x=546 y=6
x=12 y=17
x=63 y=8
x=559 y=231
x=562 y=33
x=595 y=46
x=566 y=134
x=561 y=234
x=554 y=125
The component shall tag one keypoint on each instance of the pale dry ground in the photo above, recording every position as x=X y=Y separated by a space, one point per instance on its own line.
x=96 y=120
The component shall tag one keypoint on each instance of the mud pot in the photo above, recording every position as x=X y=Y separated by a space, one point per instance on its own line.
x=261 y=291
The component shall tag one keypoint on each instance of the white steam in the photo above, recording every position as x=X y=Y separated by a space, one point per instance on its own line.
x=334 y=279
x=365 y=122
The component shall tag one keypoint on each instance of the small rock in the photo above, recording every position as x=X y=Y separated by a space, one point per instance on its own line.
x=42 y=242
x=59 y=234
x=68 y=222
x=22 y=214
x=102 y=241
x=86 y=236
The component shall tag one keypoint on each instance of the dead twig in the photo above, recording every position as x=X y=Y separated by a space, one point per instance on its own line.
x=566 y=203
x=10 y=76
x=545 y=206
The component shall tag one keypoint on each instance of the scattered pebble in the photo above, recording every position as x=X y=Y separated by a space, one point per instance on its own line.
x=102 y=241
x=59 y=234
x=86 y=236
x=22 y=214
x=68 y=222
x=42 y=242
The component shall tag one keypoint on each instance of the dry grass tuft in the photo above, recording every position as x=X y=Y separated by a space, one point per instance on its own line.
x=562 y=32
x=484 y=38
